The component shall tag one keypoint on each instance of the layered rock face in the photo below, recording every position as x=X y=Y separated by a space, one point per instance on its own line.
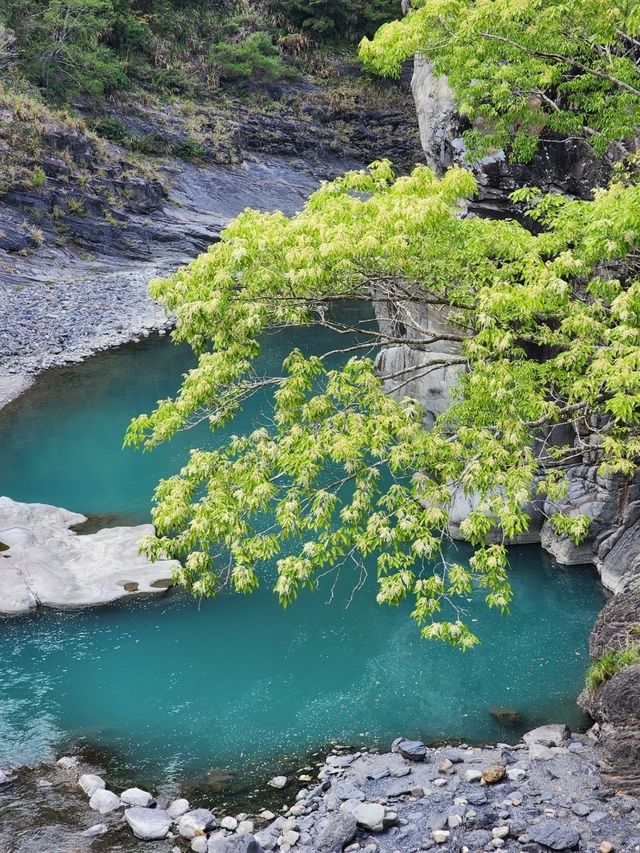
x=46 y=563
x=563 y=165
x=616 y=703
x=611 y=502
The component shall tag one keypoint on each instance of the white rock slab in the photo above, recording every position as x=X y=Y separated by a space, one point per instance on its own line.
x=104 y=801
x=90 y=783
x=148 y=824
x=48 y=564
x=136 y=797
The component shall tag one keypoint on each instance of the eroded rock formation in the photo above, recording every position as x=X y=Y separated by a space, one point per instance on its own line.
x=45 y=563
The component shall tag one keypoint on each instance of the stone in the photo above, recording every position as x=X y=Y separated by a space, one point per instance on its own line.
x=290 y=837
x=454 y=821
x=338 y=831
x=439 y=783
x=477 y=839
x=412 y=750
x=96 y=829
x=500 y=831
x=136 y=797
x=369 y=816
x=440 y=835
x=243 y=843
x=539 y=752
x=4 y=778
x=399 y=772
x=606 y=847
x=516 y=774
x=178 y=807
x=445 y=766
x=494 y=774
x=554 y=834
x=473 y=775
x=195 y=822
x=70 y=762
x=348 y=791
x=245 y=826
x=200 y=844
x=581 y=809
x=507 y=716
x=278 y=782
x=104 y=801
x=148 y=824
x=229 y=823
x=267 y=815
x=91 y=783
x=48 y=564
x=551 y=735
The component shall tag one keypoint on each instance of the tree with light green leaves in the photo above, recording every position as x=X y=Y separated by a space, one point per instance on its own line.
x=548 y=329
x=521 y=68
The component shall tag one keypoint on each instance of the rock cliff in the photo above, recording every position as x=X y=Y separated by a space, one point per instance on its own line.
x=611 y=502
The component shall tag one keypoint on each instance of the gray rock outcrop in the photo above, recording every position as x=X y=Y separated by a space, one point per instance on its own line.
x=46 y=563
x=615 y=704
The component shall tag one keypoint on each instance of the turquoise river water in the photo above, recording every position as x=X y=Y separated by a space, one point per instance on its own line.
x=172 y=689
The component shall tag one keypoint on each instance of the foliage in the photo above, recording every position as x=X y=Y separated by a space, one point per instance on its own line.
x=545 y=330
x=71 y=47
x=526 y=68
x=333 y=20
x=256 y=57
x=609 y=664
x=60 y=43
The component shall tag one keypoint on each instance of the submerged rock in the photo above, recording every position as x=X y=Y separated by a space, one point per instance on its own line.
x=277 y=782
x=48 y=564
x=148 y=824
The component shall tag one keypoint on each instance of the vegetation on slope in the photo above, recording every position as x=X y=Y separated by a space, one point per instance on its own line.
x=74 y=47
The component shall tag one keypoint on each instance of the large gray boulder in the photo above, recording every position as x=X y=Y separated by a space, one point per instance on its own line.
x=46 y=563
x=615 y=705
x=242 y=843
x=195 y=822
x=554 y=734
x=339 y=830
x=148 y=824
x=555 y=835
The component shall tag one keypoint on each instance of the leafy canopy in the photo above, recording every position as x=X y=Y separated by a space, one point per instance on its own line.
x=544 y=329
x=522 y=68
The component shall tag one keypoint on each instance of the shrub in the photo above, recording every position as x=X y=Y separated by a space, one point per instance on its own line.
x=609 y=664
x=256 y=57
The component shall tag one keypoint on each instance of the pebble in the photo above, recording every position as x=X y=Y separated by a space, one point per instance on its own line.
x=278 y=782
x=440 y=835
x=229 y=823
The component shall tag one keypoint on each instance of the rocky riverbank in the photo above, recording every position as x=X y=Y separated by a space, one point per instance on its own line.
x=88 y=222
x=545 y=793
